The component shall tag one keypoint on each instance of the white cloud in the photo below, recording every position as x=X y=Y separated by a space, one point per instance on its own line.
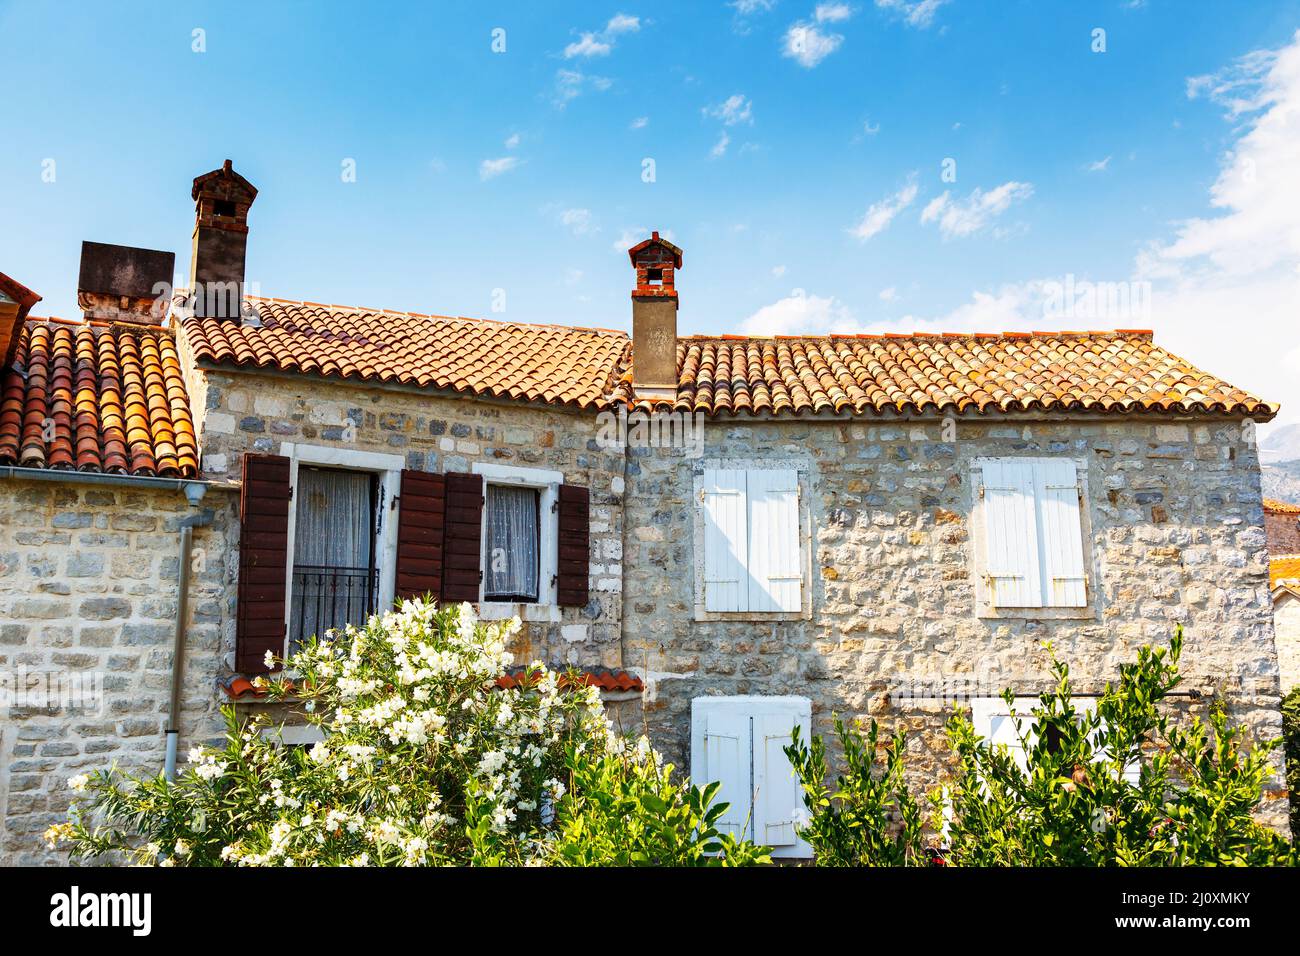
x=639 y=123
x=807 y=45
x=748 y=7
x=778 y=271
x=512 y=141
x=720 y=147
x=570 y=84
x=832 y=12
x=733 y=110
x=915 y=13
x=492 y=168
x=960 y=218
x=870 y=130
x=600 y=42
x=889 y=295
x=1100 y=166
x=799 y=313
x=578 y=221
x=880 y=214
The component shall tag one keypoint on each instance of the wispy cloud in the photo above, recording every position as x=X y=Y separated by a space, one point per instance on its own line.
x=915 y=13
x=639 y=123
x=570 y=84
x=580 y=222
x=512 y=141
x=807 y=44
x=601 y=42
x=889 y=295
x=720 y=147
x=958 y=218
x=880 y=214
x=1100 y=166
x=492 y=168
x=732 y=111
x=832 y=12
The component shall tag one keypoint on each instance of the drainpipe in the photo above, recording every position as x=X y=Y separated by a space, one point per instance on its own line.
x=199 y=519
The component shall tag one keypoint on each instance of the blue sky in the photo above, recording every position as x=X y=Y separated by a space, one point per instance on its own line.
x=798 y=153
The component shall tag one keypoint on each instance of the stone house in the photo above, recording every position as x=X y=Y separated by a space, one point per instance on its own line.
x=728 y=536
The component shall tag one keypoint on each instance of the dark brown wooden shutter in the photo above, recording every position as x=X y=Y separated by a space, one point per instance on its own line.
x=421 y=524
x=263 y=552
x=462 y=544
x=574 y=570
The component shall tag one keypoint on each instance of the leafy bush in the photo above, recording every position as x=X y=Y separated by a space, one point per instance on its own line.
x=1071 y=804
x=425 y=760
x=871 y=819
x=1291 y=736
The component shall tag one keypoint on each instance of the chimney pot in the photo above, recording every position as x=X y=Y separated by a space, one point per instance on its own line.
x=222 y=199
x=654 y=318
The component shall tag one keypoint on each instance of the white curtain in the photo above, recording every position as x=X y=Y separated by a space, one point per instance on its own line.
x=511 y=552
x=333 y=581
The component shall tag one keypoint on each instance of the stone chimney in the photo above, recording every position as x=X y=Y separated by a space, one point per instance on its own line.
x=654 y=318
x=124 y=284
x=221 y=202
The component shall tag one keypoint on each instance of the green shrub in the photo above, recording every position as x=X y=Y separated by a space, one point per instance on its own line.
x=1291 y=736
x=425 y=760
x=1071 y=804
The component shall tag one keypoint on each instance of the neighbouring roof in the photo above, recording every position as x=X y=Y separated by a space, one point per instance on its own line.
x=556 y=365
x=1284 y=568
x=98 y=398
x=16 y=300
x=1273 y=506
x=1112 y=372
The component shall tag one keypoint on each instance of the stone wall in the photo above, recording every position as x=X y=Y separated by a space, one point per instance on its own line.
x=1286 y=622
x=1283 y=531
x=88 y=603
x=1176 y=535
x=258 y=412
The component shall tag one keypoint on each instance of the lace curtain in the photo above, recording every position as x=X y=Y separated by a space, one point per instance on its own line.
x=511 y=549
x=334 y=582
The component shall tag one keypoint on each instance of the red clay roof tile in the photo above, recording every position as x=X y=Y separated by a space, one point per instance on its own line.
x=92 y=397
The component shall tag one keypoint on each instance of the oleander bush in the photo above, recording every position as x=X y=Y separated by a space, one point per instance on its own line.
x=1072 y=802
x=425 y=760
x=1291 y=735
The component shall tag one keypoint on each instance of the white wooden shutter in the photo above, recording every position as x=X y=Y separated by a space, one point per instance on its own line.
x=1060 y=533
x=726 y=537
x=775 y=580
x=777 y=797
x=1011 y=534
x=725 y=754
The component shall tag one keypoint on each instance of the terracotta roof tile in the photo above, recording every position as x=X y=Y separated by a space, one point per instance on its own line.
x=1273 y=506
x=537 y=363
x=1285 y=568
x=96 y=398
x=1112 y=372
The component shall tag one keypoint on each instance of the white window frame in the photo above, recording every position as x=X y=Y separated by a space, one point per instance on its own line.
x=984 y=709
x=388 y=469
x=985 y=606
x=754 y=707
x=801 y=469
x=547 y=482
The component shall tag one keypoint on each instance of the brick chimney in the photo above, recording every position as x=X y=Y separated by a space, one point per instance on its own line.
x=221 y=202
x=124 y=284
x=654 y=318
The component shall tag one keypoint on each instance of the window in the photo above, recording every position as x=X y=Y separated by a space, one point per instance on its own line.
x=335 y=576
x=993 y=721
x=223 y=207
x=740 y=743
x=340 y=565
x=751 y=542
x=1032 y=531
x=512 y=525
x=520 y=538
